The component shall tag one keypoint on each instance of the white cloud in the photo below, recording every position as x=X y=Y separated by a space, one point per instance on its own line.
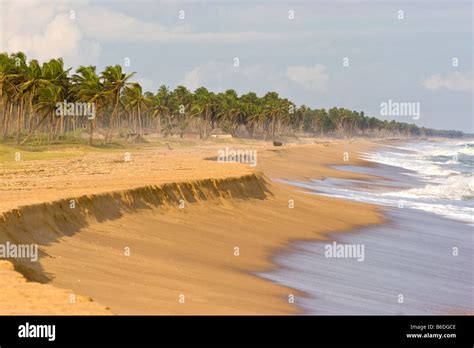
x=105 y=24
x=123 y=28
x=315 y=77
x=455 y=81
x=192 y=79
x=148 y=85
x=45 y=30
x=219 y=76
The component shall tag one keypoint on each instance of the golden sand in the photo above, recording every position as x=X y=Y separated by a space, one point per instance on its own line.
x=130 y=246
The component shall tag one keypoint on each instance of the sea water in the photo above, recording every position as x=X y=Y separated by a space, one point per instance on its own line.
x=419 y=262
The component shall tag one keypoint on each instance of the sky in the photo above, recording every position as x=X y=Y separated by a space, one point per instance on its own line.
x=353 y=54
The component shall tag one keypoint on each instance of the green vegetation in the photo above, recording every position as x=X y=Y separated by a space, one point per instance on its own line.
x=30 y=93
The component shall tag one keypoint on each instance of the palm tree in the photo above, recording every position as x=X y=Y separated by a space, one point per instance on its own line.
x=162 y=106
x=17 y=96
x=203 y=106
x=302 y=110
x=229 y=113
x=89 y=88
x=8 y=74
x=47 y=99
x=181 y=99
x=114 y=81
x=136 y=102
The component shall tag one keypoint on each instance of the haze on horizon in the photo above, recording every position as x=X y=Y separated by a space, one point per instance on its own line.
x=346 y=54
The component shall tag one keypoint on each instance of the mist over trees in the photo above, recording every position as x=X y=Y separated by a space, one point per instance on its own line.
x=30 y=93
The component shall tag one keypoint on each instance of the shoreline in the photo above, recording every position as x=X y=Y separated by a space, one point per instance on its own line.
x=412 y=253
x=345 y=288
x=303 y=159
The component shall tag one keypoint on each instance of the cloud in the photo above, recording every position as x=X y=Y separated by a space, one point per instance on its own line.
x=219 y=76
x=106 y=24
x=45 y=30
x=455 y=81
x=192 y=79
x=123 y=28
x=315 y=77
x=148 y=85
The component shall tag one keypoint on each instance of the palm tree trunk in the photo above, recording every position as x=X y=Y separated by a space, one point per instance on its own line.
x=34 y=129
x=158 y=124
x=91 y=135
x=18 y=123
x=108 y=137
x=139 y=120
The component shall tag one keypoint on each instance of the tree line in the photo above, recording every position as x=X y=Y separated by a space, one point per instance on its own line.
x=30 y=93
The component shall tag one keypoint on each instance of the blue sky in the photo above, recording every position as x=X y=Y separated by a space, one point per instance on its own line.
x=404 y=60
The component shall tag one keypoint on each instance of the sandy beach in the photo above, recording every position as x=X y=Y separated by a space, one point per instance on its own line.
x=167 y=231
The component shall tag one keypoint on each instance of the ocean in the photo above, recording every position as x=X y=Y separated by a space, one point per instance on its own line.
x=419 y=262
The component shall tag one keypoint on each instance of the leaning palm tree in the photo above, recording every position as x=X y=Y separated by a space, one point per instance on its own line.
x=230 y=111
x=136 y=102
x=162 y=106
x=33 y=80
x=204 y=103
x=302 y=110
x=8 y=75
x=114 y=80
x=181 y=99
x=16 y=78
x=47 y=99
x=89 y=88
x=52 y=77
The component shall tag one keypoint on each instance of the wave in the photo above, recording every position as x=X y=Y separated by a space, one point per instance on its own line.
x=454 y=188
x=423 y=167
x=446 y=173
x=449 y=152
x=442 y=180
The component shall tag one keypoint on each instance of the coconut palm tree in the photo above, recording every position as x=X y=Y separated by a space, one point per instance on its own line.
x=114 y=80
x=162 y=106
x=15 y=79
x=54 y=79
x=181 y=99
x=46 y=103
x=136 y=102
x=9 y=73
x=88 y=88
x=203 y=106
x=302 y=110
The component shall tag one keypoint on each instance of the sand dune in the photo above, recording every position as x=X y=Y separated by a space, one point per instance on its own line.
x=186 y=251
